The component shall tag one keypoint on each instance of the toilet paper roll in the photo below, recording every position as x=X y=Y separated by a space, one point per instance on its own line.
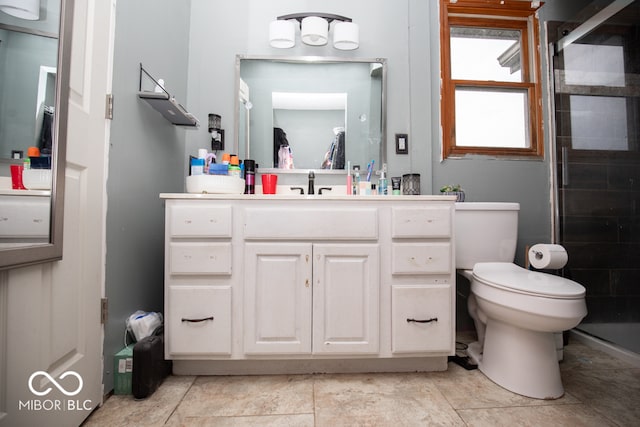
x=547 y=256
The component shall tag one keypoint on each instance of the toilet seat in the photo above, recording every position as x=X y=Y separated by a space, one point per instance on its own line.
x=514 y=278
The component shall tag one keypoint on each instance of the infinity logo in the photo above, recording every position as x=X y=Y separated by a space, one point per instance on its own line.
x=53 y=381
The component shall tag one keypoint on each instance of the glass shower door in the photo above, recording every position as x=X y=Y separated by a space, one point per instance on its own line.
x=596 y=80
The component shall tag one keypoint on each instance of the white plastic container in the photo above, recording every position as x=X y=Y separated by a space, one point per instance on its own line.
x=214 y=184
x=37 y=179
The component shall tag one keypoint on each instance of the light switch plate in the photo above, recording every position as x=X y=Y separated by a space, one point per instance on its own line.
x=402 y=143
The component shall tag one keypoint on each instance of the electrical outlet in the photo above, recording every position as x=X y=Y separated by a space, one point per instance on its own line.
x=402 y=143
x=217 y=144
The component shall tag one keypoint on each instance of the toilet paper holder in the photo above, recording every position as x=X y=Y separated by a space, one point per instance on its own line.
x=547 y=256
x=537 y=254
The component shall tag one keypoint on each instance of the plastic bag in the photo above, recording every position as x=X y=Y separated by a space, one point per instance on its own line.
x=142 y=324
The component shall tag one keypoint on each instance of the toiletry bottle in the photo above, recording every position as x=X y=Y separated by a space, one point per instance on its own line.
x=234 y=167
x=349 y=179
x=395 y=184
x=197 y=166
x=249 y=176
x=382 y=182
x=356 y=180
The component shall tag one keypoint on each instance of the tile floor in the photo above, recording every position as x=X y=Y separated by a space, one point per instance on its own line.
x=600 y=391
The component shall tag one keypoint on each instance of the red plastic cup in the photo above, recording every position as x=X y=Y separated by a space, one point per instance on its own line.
x=269 y=182
x=16 y=177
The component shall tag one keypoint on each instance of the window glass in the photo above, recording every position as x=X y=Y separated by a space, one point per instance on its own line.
x=492 y=118
x=485 y=54
x=491 y=95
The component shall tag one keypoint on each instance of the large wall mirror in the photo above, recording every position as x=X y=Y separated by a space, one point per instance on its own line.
x=35 y=56
x=310 y=113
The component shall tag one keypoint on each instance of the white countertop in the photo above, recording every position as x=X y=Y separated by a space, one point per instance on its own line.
x=303 y=197
x=12 y=192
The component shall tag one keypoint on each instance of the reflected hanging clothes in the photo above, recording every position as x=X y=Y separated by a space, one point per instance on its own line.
x=334 y=158
x=46 y=134
x=282 y=154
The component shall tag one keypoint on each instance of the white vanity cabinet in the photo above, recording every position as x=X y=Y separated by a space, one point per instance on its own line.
x=422 y=291
x=251 y=279
x=198 y=279
x=303 y=298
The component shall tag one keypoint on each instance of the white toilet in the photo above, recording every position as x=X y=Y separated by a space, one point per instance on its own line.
x=516 y=311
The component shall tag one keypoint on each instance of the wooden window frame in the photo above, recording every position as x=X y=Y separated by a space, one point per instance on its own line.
x=504 y=14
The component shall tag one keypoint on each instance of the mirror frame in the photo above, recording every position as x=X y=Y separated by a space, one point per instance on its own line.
x=313 y=60
x=52 y=251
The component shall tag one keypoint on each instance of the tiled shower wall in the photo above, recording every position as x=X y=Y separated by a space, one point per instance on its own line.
x=599 y=189
x=600 y=229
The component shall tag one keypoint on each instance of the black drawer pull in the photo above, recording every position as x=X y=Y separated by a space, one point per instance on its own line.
x=435 y=319
x=204 y=319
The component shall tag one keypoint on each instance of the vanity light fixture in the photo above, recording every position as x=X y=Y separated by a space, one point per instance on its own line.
x=282 y=34
x=24 y=9
x=314 y=31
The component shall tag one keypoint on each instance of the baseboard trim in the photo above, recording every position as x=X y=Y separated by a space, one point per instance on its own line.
x=607 y=347
x=275 y=367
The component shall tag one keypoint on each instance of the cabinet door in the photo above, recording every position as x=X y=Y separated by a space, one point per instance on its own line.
x=346 y=299
x=277 y=298
x=198 y=321
x=422 y=319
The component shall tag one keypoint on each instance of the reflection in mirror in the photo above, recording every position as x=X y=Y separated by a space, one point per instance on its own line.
x=314 y=118
x=310 y=113
x=34 y=89
x=27 y=85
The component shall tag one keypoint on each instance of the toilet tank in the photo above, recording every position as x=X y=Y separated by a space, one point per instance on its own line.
x=485 y=232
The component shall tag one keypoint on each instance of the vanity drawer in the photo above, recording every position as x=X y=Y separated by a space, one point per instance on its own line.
x=198 y=320
x=312 y=223
x=24 y=217
x=421 y=222
x=423 y=302
x=201 y=220
x=200 y=258
x=421 y=258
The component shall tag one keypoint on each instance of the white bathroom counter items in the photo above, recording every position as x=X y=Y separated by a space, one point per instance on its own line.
x=295 y=284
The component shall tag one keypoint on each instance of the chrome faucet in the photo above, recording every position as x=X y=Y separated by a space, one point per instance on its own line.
x=312 y=177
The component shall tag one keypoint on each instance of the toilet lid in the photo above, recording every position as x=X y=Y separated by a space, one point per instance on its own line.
x=516 y=278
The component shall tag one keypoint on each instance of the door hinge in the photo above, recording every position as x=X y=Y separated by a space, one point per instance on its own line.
x=108 y=113
x=104 y=310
